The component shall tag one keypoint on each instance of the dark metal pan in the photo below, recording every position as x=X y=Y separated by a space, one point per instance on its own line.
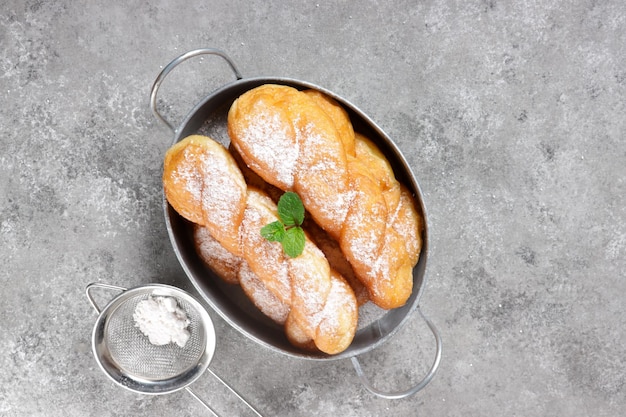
x=209 y=117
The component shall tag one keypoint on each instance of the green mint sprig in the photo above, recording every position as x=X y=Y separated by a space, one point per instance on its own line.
x=287 y=229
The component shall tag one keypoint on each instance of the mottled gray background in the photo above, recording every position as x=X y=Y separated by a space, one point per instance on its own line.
x=512 y=115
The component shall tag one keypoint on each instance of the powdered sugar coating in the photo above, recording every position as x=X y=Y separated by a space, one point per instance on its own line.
x=323 y=173
x=216 y=256
x=183 y=182
x=338 y=313
x=272 y=141
x=265 y=258
x=310 y=274
x=261 y=296
x=224 y=190
x=408 y=224
x=188 y=176
x=234 y=269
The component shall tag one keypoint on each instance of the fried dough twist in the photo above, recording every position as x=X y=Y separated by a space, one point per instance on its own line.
x=300 y=141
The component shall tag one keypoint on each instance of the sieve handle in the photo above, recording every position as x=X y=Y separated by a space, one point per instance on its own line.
x=201 y=401
x=231 y=389
x=420 y=385
x=93 y=285
x=169 y=67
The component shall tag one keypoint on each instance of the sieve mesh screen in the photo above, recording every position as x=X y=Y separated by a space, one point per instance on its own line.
x=139 y=359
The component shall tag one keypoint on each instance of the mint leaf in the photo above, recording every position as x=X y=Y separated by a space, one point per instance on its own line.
x=274 y=232
x=287 y=229
x=290 y=209
x=293 y=242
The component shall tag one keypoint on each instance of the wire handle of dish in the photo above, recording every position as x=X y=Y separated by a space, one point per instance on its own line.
x=169 y=67
x=414 y=389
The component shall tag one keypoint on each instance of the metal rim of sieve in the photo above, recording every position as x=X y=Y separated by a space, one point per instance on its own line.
x=124 y=374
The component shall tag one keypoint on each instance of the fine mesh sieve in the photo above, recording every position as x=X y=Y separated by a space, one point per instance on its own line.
x=127 y=356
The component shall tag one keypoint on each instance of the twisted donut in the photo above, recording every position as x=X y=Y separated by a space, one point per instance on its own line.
x=298 y=141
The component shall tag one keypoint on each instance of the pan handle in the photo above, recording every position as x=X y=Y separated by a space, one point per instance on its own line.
x=419 y=386
x=169 y=67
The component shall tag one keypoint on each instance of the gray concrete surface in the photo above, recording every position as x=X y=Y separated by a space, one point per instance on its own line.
x=512 y=115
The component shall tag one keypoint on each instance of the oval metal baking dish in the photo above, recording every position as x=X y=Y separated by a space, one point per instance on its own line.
x=209 y=117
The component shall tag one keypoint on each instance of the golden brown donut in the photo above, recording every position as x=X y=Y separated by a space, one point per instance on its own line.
x=203 y=185
x=294 y=144
x=268 y=125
